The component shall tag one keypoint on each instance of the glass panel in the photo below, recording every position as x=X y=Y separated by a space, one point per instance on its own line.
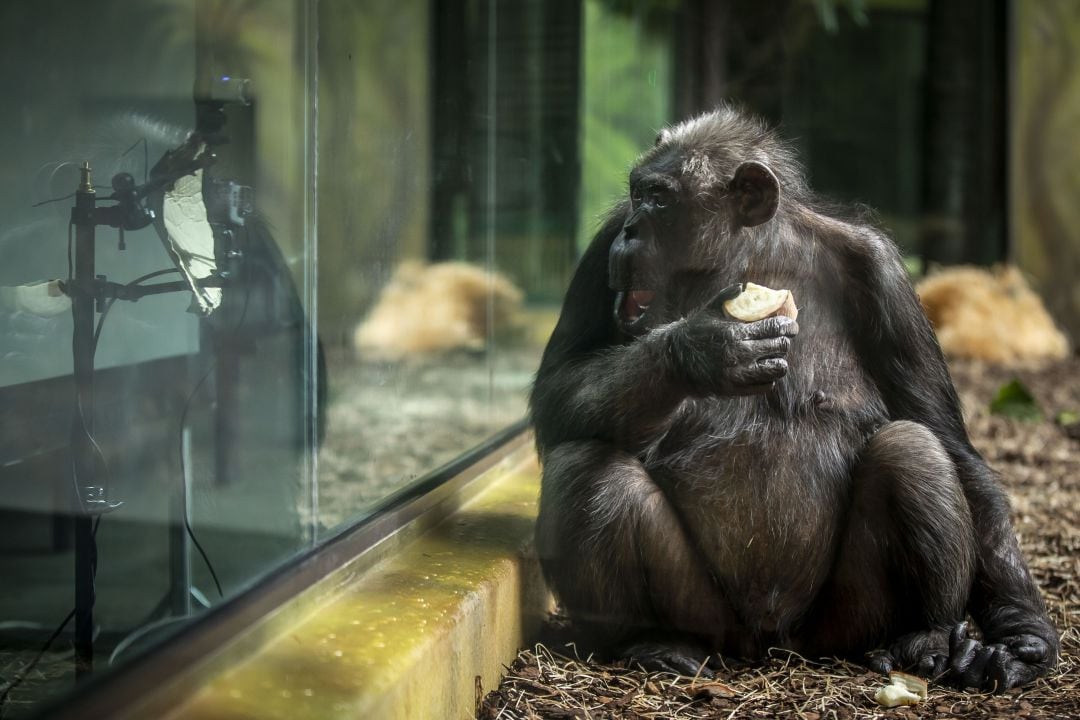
x=357 y=287
x=155 y=404
x=354 y=291
x=374 y=194
x=449 y=193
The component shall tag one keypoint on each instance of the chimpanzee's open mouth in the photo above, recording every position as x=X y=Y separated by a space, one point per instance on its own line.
x=631 y=306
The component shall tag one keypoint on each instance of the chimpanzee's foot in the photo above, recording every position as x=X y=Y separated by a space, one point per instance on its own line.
x=680 y=658
x=1015 y=660
x=924 y=653
x=966 y=662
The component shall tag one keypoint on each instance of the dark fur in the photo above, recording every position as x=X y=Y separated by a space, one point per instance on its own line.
x=711 y=486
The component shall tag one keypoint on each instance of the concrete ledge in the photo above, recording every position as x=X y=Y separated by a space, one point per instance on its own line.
x=416 y=635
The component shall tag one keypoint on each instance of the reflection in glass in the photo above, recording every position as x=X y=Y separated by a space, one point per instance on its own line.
x=340 y=262
x=170 y=470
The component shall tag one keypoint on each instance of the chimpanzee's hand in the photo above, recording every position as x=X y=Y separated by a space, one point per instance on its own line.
x=720 y=356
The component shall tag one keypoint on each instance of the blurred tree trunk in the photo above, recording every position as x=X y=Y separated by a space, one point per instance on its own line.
x=702 y=80
x=1046 y=153
x=506 y=148
x=964 y=147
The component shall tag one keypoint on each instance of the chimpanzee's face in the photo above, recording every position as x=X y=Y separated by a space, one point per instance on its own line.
x=672 y=231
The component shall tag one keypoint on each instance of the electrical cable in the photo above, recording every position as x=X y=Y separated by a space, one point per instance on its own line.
x=71 y=264
x=187 y=405
x=66 y=197
x=80 y=415
x=183 y=423
x=183 y=473
x=133 y=283
x=140 y=632
x=21 y=675
x=146 y=155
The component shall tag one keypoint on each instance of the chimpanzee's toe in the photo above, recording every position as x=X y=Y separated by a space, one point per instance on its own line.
x=881 y=661
x=924 y=653
x=676 y=658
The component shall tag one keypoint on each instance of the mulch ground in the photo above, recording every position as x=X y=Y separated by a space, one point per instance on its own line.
x=1040 y=466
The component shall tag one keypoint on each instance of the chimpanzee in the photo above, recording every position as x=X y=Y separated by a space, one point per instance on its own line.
x=716 y=486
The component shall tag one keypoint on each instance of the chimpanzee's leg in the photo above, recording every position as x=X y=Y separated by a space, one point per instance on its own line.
x=619 y=560
x=905 y=560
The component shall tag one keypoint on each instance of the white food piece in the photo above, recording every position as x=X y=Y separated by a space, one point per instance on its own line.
x=895 y=695
x=44 y=299
x=757 y=302
x=913 y=684
x=903 y=689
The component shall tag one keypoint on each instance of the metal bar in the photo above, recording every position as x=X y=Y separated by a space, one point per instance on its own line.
x=85 y=486
x=104 y=289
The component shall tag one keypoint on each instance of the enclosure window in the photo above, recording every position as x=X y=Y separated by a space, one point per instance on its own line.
x=265 y=267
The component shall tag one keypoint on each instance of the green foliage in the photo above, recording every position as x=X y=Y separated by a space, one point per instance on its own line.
x=913 y=266
x=1016 y=401
x=831 y=22
x=625 y=101
x=1068 y=417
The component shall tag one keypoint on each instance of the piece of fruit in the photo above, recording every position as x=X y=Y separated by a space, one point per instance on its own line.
x=903 y=689
x=757 y=302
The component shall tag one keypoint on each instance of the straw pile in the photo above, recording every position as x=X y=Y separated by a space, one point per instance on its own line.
x=1040 y=465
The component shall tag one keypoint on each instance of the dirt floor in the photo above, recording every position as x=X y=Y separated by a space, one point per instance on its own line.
x=1040 y=465
x=390 y=423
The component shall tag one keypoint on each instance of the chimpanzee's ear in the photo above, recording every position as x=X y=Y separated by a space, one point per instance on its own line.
x=755 y=193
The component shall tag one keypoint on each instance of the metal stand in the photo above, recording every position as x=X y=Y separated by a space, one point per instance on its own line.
x=87 y=290
x=179 y=548
x=87 y=490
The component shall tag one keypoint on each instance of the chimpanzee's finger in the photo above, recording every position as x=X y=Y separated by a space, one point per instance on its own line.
x=761 y=373
x=770 y=327
x=729 y=293
x=769 y=348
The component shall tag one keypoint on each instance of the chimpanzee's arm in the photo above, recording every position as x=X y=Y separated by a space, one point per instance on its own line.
x=590 y=385
x=595 y=384
x=899 y=348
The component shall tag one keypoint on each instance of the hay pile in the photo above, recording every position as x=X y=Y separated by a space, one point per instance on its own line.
x=1040 y=465
x=991 y=315
x=432 y=309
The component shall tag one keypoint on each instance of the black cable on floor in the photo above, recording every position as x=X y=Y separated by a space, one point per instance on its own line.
x=21 y=675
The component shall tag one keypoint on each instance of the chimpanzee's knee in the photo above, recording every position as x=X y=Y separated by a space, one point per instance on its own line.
x=906 y=554
x=927 y=516
x=614 y=551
